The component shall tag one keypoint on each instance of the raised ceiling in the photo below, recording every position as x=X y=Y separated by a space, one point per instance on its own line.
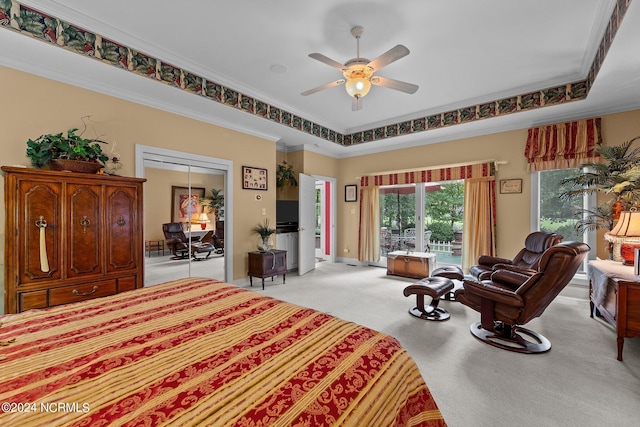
x=464 y=54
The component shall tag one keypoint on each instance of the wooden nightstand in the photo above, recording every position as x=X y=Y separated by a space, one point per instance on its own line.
x=267 y=264
x=614 y=293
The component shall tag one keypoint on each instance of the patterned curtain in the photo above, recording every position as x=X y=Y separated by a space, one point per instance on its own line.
x=369 y=232
x=563 y=145
x=478 y=234
x=429 y=175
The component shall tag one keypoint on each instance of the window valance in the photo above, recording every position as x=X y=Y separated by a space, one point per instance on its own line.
x=429 y=175
x=563 y=145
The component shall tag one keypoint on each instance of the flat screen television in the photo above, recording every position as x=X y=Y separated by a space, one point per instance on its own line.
x=286 y=211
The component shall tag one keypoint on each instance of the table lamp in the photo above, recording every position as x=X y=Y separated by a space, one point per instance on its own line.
x=203 y=219
x=627 y=229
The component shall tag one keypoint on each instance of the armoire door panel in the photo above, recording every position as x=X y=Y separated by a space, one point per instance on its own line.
x=84 y=234
x=38 y=231
x=121 y=228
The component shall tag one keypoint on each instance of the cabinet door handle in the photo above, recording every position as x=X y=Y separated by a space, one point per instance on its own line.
x=85 y=222
x=121 y=222
x=84 y=294
x=41 y=223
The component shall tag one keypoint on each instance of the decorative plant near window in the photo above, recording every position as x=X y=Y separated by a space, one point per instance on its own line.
x=618 y=174
x=285 y=175
x=214 y=202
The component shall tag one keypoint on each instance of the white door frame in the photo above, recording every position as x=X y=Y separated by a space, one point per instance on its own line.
x=178 y=160
x=332 y=214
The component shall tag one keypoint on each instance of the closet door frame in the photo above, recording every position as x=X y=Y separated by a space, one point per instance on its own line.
x=147 y=156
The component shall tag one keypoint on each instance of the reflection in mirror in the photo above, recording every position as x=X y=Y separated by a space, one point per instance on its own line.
x=183 y=237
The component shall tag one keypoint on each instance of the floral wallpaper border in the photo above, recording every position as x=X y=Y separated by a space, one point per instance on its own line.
x=50 y=29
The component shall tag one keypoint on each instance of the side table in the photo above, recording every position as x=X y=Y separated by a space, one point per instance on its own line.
x=154 y=245
x=267 y=264
x=614 y=295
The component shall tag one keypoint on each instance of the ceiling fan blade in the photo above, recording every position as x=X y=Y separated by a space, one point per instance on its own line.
x=323 y=87
x=392 y=55
x=394 y=84
x=356 y=103
x=326 y=60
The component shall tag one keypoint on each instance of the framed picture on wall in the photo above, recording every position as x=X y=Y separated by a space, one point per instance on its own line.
x=183 y=206
x=254 y=178
x=350 y=193
x=509 y=186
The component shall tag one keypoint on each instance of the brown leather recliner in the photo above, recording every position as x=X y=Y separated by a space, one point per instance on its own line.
x=512 y=298
x=181 y=246
x=525 y=261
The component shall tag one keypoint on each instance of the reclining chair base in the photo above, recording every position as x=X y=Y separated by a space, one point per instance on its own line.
x=511 y=338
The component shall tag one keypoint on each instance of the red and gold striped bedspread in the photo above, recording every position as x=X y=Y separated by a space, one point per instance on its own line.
x=201 y=352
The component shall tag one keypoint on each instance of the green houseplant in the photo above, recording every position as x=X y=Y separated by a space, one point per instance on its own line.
x=214 y=202
x=285 y=175
x=264 y=231
x=618 y=174
x=46 y=150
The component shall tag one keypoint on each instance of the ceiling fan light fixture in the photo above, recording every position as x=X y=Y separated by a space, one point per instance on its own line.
x=358 y=86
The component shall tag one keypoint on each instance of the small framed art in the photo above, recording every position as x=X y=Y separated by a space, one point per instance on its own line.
x=510 y=186
x=350 y=193
x=254 y=178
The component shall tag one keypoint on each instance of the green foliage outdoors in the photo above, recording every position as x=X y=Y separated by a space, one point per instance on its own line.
x=443 y=211
x=441 y=232
x=446 y=204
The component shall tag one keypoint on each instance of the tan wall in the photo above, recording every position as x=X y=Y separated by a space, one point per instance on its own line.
x=318 y=164
x=32 y=106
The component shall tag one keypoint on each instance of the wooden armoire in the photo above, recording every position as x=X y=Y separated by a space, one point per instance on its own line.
x=70 y=237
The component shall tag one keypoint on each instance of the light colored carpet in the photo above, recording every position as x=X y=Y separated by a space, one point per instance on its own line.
x=578 y=382
x=160 y=269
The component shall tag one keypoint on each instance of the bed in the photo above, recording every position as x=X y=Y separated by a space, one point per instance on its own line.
x=201 y=352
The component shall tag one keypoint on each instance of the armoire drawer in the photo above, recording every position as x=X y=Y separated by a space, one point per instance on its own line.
x=32 y=300
x=85 y=291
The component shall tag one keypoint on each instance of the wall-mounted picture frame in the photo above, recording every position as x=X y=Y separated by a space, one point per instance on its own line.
x=182 y=207
x=510 y=186
x=254 y=178
x=350 y=193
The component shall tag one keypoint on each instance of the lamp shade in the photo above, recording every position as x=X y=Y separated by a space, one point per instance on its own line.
x=626 y=229
x=628 y=225
x=358 y=86
x=203 y=219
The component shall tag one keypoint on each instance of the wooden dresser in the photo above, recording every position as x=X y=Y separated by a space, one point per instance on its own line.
x=70 y=237
x=614 y=293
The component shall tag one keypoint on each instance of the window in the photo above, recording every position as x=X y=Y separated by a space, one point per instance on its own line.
x=550 y=213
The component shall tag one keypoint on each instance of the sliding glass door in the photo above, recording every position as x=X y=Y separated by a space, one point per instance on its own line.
x=424 y=217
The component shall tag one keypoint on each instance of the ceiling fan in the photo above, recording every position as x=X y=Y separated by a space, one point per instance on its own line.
x=358 y=72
